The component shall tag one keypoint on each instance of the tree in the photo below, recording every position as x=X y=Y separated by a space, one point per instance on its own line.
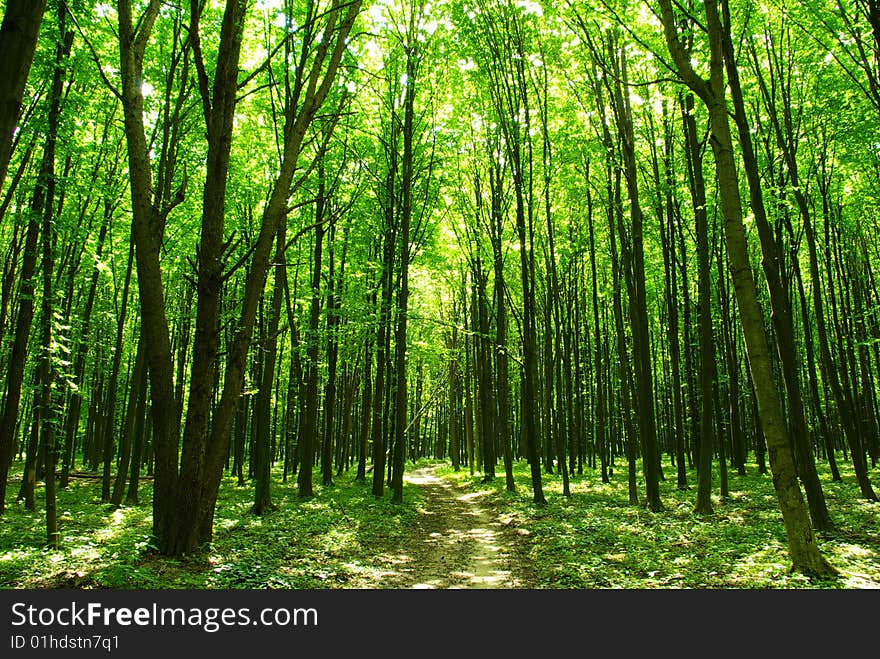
x=804 y=553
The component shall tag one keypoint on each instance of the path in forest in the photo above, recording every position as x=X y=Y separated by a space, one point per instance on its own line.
x=457 y=542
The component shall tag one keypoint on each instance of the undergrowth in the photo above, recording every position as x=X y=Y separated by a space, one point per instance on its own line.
x=322 y=542
x=595 y=539
x=592 y=539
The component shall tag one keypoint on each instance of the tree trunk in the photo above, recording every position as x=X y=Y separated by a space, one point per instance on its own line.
x=79 y=360
x=310 y=409
x=109 y=446
x=18 y=43
x=129 y=436
x=139 y=440
x=405 y=220
x=319 y=80
x=20 y=25
x=263 y=491
x=333 y=304
x=49 y=376
x=502 y=374
x=146 y=233
x=638 y=306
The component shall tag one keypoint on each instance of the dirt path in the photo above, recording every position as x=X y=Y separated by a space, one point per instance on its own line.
x=457 y=543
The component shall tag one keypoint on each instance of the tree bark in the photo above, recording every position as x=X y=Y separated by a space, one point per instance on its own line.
x=638 y=306
x=18 y=43
x=310 y=410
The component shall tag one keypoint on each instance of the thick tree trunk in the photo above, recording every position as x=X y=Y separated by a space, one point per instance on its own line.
x=18 y=352
x=18 y=43
x=219 y=111
x=317 y=82
x=20 y=24
x=801 y=541
x=146 y=233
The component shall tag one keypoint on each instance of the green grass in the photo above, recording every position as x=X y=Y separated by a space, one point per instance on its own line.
x=594 y=539
x=319 y=543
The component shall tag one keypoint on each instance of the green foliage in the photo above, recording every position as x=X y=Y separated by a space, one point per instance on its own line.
x=590 y=540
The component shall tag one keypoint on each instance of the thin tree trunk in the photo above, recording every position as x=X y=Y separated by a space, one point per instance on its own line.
x=502 y=375
x=779 y=301
x=137 y=454
x=263 y=491
x=333 y=304
x=310 y=411
x=638 y=307
x=79 y=361
x=382 y=357
x=405 y=219
x=129 y=438
x=109 y=446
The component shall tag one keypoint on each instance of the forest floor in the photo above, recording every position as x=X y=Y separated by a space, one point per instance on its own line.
x=456 y=542
x=452 y=531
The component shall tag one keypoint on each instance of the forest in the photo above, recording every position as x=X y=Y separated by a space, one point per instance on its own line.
x=439 y=293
